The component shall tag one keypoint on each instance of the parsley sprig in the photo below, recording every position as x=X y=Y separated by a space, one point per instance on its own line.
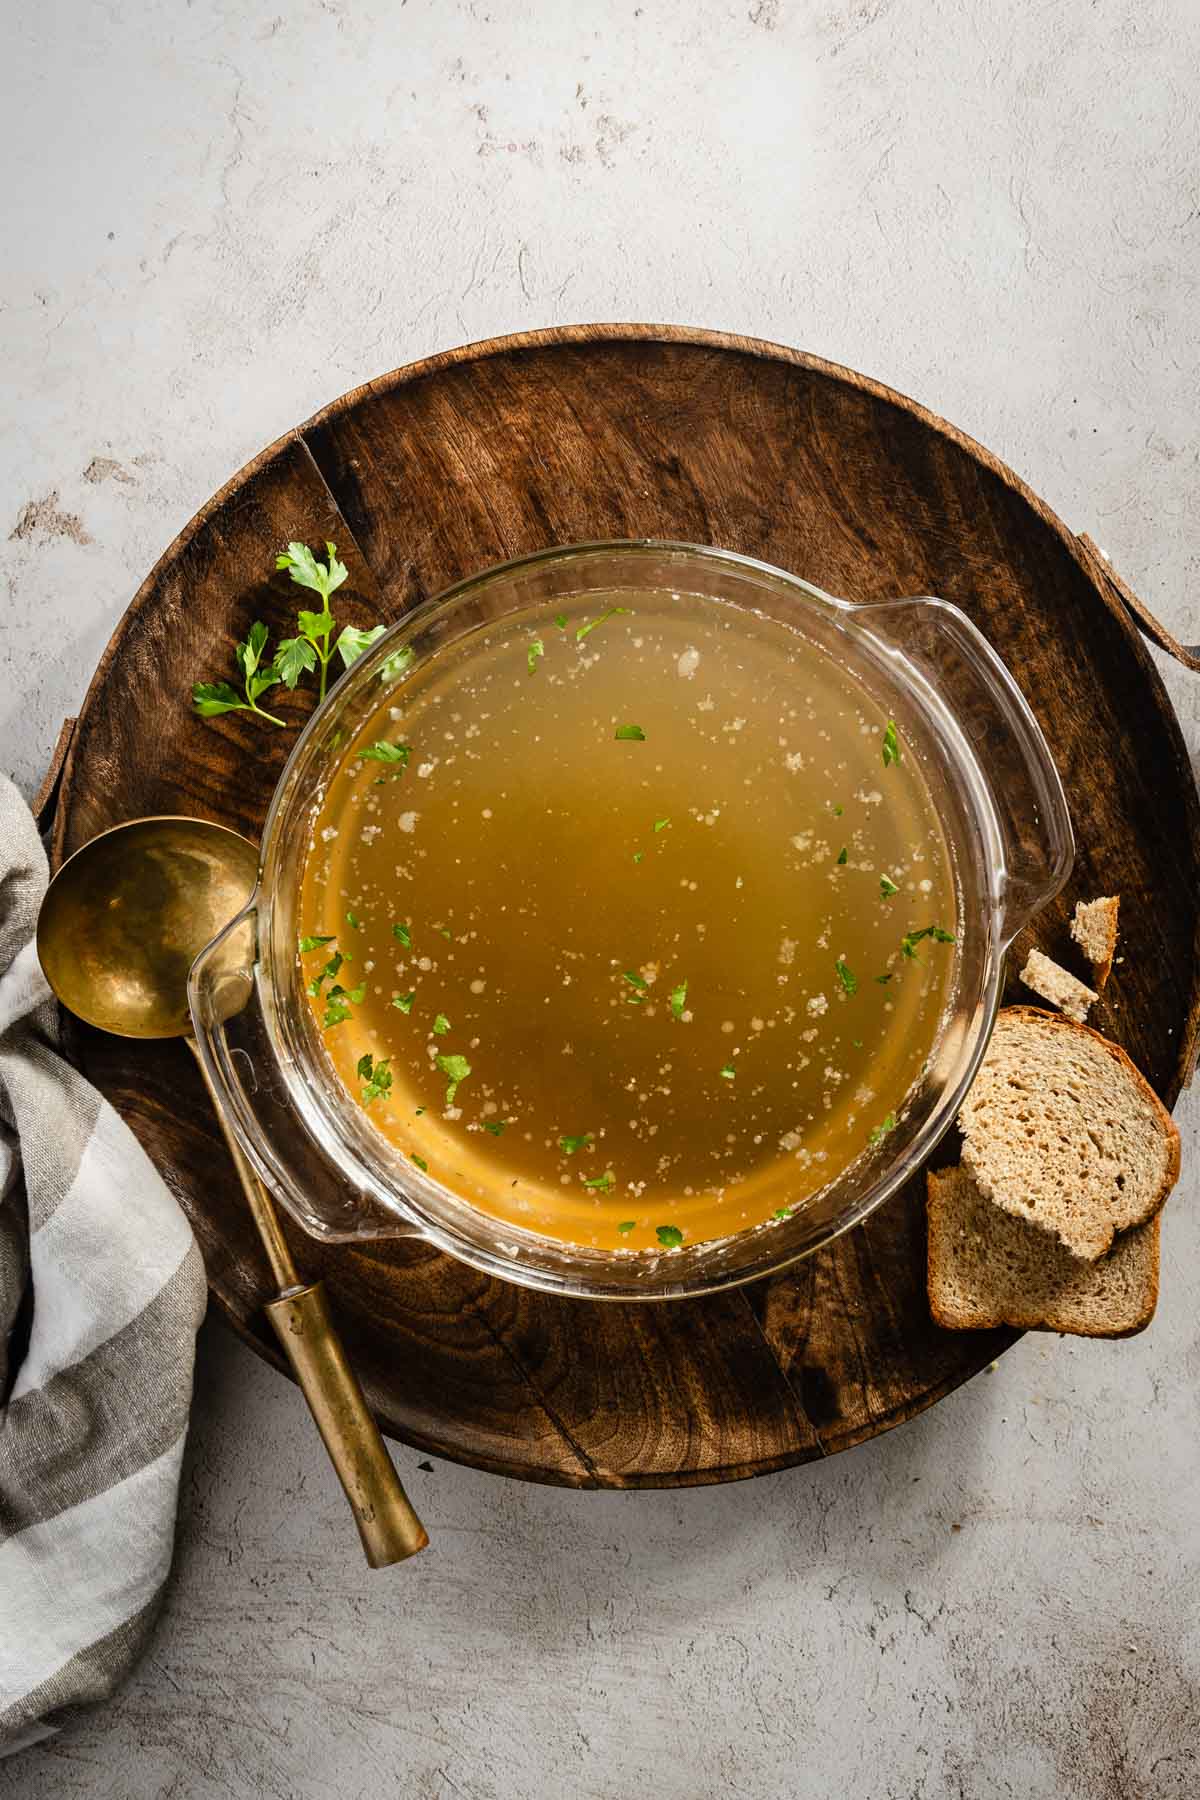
x=210 y=698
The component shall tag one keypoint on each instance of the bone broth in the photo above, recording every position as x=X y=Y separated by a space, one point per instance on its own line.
x=632 y=924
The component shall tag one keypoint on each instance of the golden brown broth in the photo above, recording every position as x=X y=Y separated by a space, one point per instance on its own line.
x=519 y=848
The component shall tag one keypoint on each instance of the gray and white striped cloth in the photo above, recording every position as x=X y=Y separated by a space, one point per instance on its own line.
x=101 y=1294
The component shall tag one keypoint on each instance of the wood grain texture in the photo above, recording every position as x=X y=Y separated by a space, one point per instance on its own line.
x=621 y=431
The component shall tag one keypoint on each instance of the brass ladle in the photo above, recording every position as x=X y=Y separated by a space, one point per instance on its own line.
x=120 y=926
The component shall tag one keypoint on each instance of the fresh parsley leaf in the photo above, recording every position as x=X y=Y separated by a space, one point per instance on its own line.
x=602 y=1182
x=592 y=623
x=358 y=994
x=404 y=1002
x=891 y=745
x=212 y=697
x=669 y=1236
x=941 y=937
x=560 y=619
x=456 y=1069
x=626 y=1226
x=402 y=932
x=353 y=919
x=569 y=1145
x=377 y=1076
x=782 y=1212
x=336 y=1010
x=495 y=1126
x=313 y=943
x=630 y=734
x=322 y=579
x=441 y=1025
x=633 y=978
x=883 y=979
x=887 y=887
x=843 y=856
x=385 y=753
x=638 y=855
x=294 y=657
x=328 y=973
x=677 y=999
x=881 y=1131
x=838 y=811
x=846 y=976
x=352 y=642
x=419 y=1160
x=661 y=824
x=534 y=653
x=728 y=1073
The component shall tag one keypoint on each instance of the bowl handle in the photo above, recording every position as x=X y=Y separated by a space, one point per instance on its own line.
x=958 y=667
x=240 y=1066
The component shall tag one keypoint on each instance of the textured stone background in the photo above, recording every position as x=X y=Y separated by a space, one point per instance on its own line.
x=216 y=218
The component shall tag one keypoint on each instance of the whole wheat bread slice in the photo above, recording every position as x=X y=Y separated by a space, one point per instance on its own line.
x=1061 y=1129
x=1094 y=929
x=1062 y=989
x=987 y=1268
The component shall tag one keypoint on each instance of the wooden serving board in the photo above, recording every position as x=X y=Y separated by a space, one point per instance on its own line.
x=619 y=432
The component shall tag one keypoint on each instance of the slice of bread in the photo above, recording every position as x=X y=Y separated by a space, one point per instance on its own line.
x=1058 y=986
x=987 y=1268
x=1061 y=1129
x=1094 y=929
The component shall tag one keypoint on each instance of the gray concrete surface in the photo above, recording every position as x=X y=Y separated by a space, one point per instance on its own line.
x=219 y=216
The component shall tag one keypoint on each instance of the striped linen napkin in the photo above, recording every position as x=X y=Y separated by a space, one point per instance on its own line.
x=101 y=1294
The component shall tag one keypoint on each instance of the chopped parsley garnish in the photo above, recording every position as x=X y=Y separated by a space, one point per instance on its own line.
x=884 y=979
x=661 y=824
x=887 y=887
x=569 y=1145
x=891 y=745
x=678 y=999
x=376 y=1076
x=782 y=1212
x=328 y=973
x=441 y=1025
x=638 y=855
x=495 y=1126
x=629 y=734
x=857 y=1042
x=560 y=619
x=626 y=1226
x=669 y=1236
x=728 y=1072
x=838 y=811
x=602 y=1182
x=636 y=982
x=404 y=934
x=846 y=976
x=420 y=1161
x=385 y=753
x=592 y=623
x=358 y=994
x=910 y=940
x=535 y=653
x=336 y=1010
x=880 y=1131
x=843 y=856
x=352 y=919
x=456 y=1069
x=313 y=943
x=404 y=1002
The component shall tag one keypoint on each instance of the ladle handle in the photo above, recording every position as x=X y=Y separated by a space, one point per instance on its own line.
x=389 y=1528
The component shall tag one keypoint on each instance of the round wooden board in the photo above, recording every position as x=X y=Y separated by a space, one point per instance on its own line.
x=622 y=432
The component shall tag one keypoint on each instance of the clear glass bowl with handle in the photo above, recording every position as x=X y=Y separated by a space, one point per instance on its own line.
x=987 y=768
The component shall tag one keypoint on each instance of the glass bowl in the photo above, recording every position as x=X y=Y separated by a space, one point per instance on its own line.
x=990 y=776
